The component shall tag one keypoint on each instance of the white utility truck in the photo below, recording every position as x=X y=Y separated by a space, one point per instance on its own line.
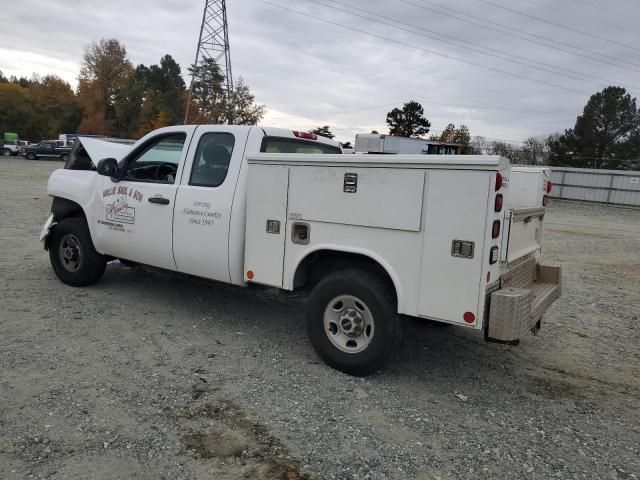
x=373 y=238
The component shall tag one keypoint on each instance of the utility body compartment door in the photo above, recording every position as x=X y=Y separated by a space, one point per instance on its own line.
x=456 y=210
x=266 y=223
x=366 y=197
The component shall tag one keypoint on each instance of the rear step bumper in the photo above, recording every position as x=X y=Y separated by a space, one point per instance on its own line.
x=517 y=309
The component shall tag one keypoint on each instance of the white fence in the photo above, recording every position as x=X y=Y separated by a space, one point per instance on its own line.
x=603 y=186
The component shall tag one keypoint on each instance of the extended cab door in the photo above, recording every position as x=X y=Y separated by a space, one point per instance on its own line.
x=134 y=215
x=205 y=199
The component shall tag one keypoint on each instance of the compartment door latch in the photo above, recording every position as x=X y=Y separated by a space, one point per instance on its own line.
x=350 y=182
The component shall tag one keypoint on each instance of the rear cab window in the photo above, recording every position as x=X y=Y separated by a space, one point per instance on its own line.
x=294 y=145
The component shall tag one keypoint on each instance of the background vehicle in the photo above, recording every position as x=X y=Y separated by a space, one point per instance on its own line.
x=371 y=237
x=390 y=144
x=9 y=144
x=47 y=149
x=68 y=139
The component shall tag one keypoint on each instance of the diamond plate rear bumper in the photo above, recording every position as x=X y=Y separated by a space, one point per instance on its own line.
x=515 y=310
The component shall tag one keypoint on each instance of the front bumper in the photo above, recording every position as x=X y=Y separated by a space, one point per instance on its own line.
x=518 y=307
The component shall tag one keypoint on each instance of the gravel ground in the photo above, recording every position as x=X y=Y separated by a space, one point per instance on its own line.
x=149 y=375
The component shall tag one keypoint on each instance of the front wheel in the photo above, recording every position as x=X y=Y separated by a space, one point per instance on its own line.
x=352 y=321
x=72 y=255
x=6 y=152
x=31 y=156
x=64 y=157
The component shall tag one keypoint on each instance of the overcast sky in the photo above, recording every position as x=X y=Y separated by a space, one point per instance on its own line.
x=310 y=73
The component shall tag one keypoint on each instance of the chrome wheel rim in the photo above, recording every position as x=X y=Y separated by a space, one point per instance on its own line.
x=70 y=252
x=348 y=323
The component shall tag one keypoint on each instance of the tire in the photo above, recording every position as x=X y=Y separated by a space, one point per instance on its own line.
x=352 y=322
x=6 y=152
x=31 y=156
x=72 y=255
x=64 y=157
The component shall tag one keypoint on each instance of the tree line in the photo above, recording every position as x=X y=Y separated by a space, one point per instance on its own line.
x=605 y=135
x=116 y=99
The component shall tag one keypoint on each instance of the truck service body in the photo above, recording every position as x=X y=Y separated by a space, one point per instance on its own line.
x=373 y=237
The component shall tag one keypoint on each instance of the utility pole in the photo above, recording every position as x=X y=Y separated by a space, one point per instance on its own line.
x=213 y=43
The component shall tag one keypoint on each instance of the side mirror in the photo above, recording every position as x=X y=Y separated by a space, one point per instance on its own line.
x=107 y=167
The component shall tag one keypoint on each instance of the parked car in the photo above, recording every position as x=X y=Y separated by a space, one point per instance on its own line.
x=10 y=148
x=9 y=144
x=47 y=149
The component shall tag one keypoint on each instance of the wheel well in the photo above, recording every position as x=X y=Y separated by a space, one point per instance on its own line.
x=319 y=264
x=63 y=208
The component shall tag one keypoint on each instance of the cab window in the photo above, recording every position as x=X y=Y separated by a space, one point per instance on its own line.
x=211 y=162
x=292 y=145
x=158 y=161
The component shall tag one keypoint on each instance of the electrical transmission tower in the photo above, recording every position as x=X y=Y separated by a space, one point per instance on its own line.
x=214 y=44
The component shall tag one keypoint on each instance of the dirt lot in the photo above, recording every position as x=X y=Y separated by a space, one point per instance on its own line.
x=149 y=375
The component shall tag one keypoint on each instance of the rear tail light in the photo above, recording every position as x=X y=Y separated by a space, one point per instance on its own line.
x=499 y=202
x=495 y=229
x=493 y=258
x=549 y=187
x=498 y=181
x=307 y=135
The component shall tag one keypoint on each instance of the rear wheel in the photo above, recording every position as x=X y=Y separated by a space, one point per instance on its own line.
x=31 y=156
x=72 y=255
x=352 y=321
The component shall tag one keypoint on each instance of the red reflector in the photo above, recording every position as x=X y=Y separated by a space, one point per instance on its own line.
x=307 y=135
x=549 y=187
x=498 y=181
x=495 y=230
x=469 y=317
x=499 y=202
x=250 y=275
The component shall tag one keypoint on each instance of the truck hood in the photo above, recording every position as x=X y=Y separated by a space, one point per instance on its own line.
x=97 y=149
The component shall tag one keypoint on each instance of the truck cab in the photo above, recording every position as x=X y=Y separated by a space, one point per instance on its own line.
x=169 y=202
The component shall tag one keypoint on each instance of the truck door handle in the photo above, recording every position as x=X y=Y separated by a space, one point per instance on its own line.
x=159 y=200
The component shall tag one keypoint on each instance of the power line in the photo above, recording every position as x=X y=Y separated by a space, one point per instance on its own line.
x=472 y=48
x=559 y=25
x=581 y=15
x=458 y=12
x=596 y=7
x=415 y=47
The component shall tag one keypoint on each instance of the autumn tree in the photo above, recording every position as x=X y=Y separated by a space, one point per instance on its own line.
x=408 y=121
x=323 y=131
x=56 y=106
x=17 y=111
x=104 y=74
x=606 y=133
